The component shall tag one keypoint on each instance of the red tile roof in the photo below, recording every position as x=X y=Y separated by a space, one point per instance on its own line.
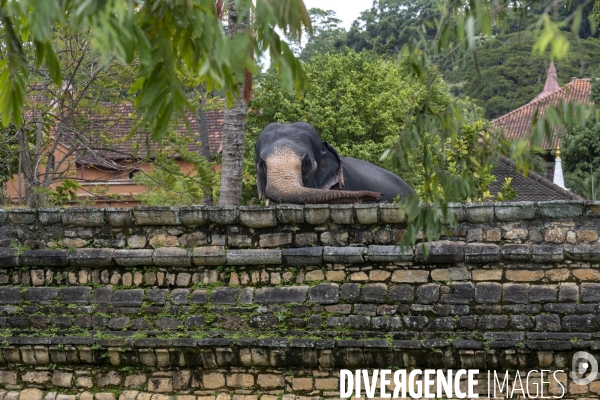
x=137 y=146
x=104 y=140
x=517 y=123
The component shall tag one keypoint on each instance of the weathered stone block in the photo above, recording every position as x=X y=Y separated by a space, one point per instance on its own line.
x=199 y=296
x=44 y=258
x=568 y=292
x=172 y=257
x=83 y=217
x=442 y=252
x=479 y=253
x=75 y=295
x=9 y=257
x=373 y=293
x=542 y=293
x=180 y=296
x=342 y=213
x=278 y=239
x=128 y=298
x=548 y=322
x=194 y=215
x=514 y=210
x=343 y=255
x=102 y=296
x=258 y=217
x=547 y=253
x=316 y=214
x=289 y=214
x=11 y=295
x=225 y=295
x=520 y=322
x=479 y=212
x=49 y=216
x=582 y=252
x=515 y=293
x=460 y=293
x=223 y=215
x=62 y=379
x=156 y=216
x=133 y=258
x=488 y=292
x=253 y=257
x=280 y=295
x=493 y=322
x=450 y=274
x=23 y=216
x=516 y=252
x=91 y=257
x=392 y=214
x=304 y=256
x=410 y=276
x=366 y=214
x=377 y=253
x=428 y=293
x=590 y=292
x=560 y=209
x=325 y=293
x=209 y=255
x=119 y=217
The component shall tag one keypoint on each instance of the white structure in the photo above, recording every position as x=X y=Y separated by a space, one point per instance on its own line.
x=558 y=172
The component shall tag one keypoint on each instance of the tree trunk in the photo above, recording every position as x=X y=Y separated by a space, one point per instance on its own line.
x=207 y=192
x=234 y=126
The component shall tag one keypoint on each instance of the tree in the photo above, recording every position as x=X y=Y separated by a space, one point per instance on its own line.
x=390 y=24
x=162 y=39
x=234 y=125
x=580 y=148
x=327 y=33
x=508 y=74
x=62 y=123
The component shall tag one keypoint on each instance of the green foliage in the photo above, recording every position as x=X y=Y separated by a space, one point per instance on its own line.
x=167 y=184
x=162 y=39
x=326 y=34
x=60 y=195
x=580 y=148
x=585 y=185
x=507 y=74
x=507 y=192
x=390 y=24
x=358 y=102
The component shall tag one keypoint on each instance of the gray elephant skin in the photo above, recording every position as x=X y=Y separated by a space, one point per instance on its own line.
x=293 y=165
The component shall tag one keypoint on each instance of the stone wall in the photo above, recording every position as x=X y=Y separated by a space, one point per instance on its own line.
x=268 y=301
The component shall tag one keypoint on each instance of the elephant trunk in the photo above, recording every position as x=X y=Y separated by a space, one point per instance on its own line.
x=284 y=183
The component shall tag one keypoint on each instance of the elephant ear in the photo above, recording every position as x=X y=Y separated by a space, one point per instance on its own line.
x=330 y=168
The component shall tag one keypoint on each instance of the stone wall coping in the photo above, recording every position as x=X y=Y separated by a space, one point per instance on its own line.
x=440 y=252
x=533 y=341
x=284 y=214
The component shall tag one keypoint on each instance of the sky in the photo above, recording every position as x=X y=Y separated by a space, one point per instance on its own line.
x=346 y=10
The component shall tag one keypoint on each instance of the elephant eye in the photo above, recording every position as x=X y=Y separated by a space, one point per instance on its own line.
x=260 y=166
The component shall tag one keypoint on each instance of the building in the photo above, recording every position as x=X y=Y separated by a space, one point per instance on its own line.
x=107 y=165
x=517 y=124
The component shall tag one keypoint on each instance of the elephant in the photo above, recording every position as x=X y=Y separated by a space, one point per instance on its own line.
x=293 y=165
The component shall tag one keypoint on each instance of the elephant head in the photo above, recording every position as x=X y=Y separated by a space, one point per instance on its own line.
x=293 y=165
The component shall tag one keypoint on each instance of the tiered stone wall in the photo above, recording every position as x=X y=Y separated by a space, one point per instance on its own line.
x=268 y=301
